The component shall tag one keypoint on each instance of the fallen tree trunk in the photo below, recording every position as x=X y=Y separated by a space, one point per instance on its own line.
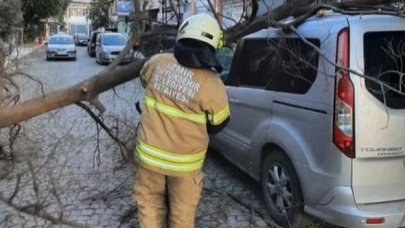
x=83 y=91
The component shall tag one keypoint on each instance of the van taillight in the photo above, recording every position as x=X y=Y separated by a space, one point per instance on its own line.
x=344 y=98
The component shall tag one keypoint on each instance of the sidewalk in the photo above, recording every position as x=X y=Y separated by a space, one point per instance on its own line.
x=22 y=51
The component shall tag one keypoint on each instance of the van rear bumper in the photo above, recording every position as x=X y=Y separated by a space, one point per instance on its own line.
x=340 y=209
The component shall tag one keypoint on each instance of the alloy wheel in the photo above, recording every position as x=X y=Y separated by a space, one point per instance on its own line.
x=279 y=187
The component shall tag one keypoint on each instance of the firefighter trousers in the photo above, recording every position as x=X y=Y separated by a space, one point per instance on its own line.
x=166 y=201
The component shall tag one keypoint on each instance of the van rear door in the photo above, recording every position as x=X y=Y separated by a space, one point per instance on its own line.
x=377 y=49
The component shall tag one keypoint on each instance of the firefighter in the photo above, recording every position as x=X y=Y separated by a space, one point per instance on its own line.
x=184 y=101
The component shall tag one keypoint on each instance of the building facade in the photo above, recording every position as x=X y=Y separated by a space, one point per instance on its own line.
x=232 y=11
x=122 y=14
x=76 y=17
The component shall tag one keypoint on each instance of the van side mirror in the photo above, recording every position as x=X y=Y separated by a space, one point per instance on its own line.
x=46 y=43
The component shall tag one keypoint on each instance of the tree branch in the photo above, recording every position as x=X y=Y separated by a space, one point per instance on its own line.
x=83 y=91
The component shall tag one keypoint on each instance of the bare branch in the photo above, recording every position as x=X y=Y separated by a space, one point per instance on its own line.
x=104 y=127
x=16 y=189
x=30 y=210
x=255 y=7
x=30 y=77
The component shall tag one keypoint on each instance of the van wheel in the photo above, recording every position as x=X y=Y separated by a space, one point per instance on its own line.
x=282 y=191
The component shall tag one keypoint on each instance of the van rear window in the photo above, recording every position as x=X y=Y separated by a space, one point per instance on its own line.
x=384 y=60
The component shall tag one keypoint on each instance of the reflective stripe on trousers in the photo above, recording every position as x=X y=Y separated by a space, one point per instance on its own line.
x=170 y=161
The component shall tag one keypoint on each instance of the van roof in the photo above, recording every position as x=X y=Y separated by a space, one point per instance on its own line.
x=328 y=21
x=339 y=17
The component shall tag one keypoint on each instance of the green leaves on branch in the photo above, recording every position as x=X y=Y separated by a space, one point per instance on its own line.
x=99 y=13
x=36 y=10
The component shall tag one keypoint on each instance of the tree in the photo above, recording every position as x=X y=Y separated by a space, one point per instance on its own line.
x=10 y=17
x=99 y=13
x=87 y=91
x=36 y=10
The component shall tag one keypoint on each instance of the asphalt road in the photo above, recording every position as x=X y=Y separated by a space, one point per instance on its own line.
x=80 y=172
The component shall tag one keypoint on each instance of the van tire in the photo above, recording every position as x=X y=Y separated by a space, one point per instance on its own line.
x=287 y=191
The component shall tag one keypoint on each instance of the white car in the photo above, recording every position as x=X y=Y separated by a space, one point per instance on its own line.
x=60 y=47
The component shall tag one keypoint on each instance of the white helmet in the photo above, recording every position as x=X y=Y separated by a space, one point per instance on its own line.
x=202 y=27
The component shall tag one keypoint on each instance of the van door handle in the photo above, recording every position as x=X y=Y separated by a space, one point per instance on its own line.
x=234 y=100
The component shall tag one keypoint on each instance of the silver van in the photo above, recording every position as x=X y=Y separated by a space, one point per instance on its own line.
x=323 y=140
x=109 y=45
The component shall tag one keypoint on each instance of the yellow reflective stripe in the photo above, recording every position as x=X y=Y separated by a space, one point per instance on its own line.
x=153 y=162
x=167 y=160
x=174 y=112
x=220 y=116
x=170 y=156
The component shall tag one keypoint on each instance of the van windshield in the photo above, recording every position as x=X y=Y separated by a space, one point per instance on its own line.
x=384 y=60
x=114 y=40
x=82 y=36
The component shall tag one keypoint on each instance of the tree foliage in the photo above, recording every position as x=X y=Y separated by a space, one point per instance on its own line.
x=99 y=13
x=35 y=10
x=10 y=17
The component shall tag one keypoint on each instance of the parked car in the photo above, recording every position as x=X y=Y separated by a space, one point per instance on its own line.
x=81 y=39
x=91 y=44
x=109 y=45
x=322 y=140
x=60 y=47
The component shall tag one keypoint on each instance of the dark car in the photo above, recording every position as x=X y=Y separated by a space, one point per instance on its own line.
x=91 y=44
x=81 y=39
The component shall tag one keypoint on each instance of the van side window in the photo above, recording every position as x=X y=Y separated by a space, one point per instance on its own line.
x=284 y=65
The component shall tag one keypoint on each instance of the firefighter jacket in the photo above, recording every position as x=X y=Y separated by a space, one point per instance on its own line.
x=178 y=103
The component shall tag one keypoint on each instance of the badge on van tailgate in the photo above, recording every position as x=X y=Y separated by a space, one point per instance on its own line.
x=384 y=151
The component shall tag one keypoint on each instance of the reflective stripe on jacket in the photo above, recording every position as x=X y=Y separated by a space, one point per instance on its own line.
x=178 y=102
